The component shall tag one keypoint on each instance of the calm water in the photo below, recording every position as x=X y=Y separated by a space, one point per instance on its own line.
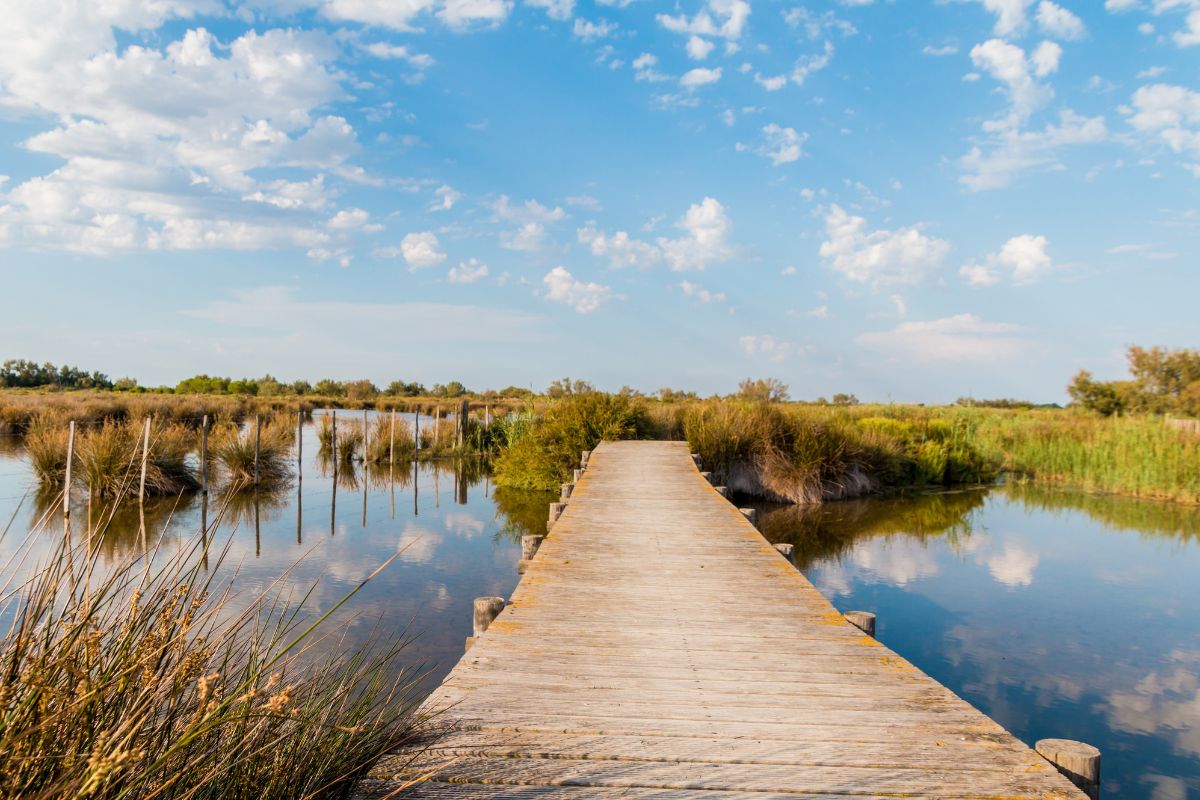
x=1056 y=613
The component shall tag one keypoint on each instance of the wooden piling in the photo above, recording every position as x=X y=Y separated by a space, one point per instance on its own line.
x=707 y=476
x=145 y=459
x=530 y=545
x=751 y=515
x=556 y=510
x=577 y=475
x=437 y=426
x=583 y=459
x=565 y=495
x=1078 y=761
x=788 y=551
x=696 y=459
x=863 y=620
x=721 y=490
x=417 y=430
x=67 y=477
x=485 y=611
x=463 y=412
x=204 y=455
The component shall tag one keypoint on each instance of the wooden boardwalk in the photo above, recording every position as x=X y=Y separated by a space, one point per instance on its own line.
x=659 y=647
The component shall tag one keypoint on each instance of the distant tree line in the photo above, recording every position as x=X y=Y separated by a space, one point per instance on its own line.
x=1164 y=382
x=19 y=373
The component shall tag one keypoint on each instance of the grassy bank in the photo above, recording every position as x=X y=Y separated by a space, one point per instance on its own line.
x=144 y=679
x=803 y=453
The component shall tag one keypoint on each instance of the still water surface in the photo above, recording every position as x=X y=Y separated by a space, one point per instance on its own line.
x=1056 y=613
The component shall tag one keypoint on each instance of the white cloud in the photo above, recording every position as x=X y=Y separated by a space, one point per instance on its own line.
x=707 y=229
x=529 y=238
x=446 y=198
x=620 y=248
x=943 y=50
x=880 y=257
x=590 y=31
x=162 y=148
x=960 y=338
x=555 y=9
x=421 y=250
x=1013 y=151
x=1008 y=64
x=1054 y=20
x=722 y=18
x=698 y=48
x=468 y=271
x=700 y=293
x=769 y=347
x=529 y=211
x=353 y=219
x=806 y=65
x=644 y=69
x=395 y=52
x=772 y=83
x=1171 y=114
x=820 y=312
x=563 y=287
x=404 y=16
x=1022 y=258
x=781 y=145
x=700 y=76
x=1010 y=15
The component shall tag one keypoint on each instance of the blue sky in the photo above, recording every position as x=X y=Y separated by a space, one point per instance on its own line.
x=907 y=201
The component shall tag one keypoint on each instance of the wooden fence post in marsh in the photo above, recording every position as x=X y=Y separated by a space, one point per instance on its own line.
x=392 y=440
x=437 y=426
x=299 y=444
x=751 y=515
x=788 y=551
x=565 y=495
x=67 y=477
x=257 y=447
x=863 y=620
x=417 y=430
x=1078 y=761
x=333 y=442
x=145 y=458
x=365 y=435
x=485 y=612
x=463 y=416
x=204 y=455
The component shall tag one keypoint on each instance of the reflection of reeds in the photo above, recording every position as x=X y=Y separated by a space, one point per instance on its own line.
x=236 y=450
x=131 y=682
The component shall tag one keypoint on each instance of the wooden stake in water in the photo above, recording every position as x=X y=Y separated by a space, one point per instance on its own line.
x=437 y=426
x=417 y=430
x=145 y=458
x=67 y=477
x=392 y=440
x=299 y=444
x=257 y=445
x=333 y=443
x=364 y=437
x=204 y=455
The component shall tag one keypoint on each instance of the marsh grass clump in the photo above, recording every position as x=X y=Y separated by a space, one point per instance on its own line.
x=349 y=438
x=109 y=458
x=46 y=447
x=141 y=679
x=233 y=448
x=542 y=453
x=384 y=448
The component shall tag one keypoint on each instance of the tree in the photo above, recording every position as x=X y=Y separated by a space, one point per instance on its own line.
x=402 y=389
x=361 y=390
x=1098 y=396
x=841 y=399
x=301 y=387
x=768 y=390
x=565 y=387
x=327 y=387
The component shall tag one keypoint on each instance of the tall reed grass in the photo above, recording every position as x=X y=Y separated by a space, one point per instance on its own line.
x=388 y=443
x=142 y=679
x=234 y=449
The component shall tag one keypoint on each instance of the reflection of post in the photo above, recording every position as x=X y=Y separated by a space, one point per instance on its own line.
x=204 y=529
x=392 y=487
x=299 y=513
x=257 y=532
x=366 y=477
x=333 y=501
x=437 y=489
x=462 y=486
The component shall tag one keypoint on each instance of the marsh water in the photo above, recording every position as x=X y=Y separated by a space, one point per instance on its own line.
x=1055 y=612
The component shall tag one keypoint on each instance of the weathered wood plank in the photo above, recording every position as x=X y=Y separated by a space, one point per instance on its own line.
x=658 y=647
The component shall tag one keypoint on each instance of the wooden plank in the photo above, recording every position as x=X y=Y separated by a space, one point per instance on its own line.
x=658 y=647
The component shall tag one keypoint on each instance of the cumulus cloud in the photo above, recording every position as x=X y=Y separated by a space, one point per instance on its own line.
x=1010 y=15
x=159 y=144
x=879 y=257
x=468 y=271
x=446 y=197
x=1022 y=259
x=781 y=145
x=700 y=76
x=645 y=68
x=620 y=248
x=698 y=48
x=532 y=218
x=721 y=18
x=590 y=31
x=421 y=250
x=563 y=287
x=555 y=9
x=806 y=65
x=1170 y=114
x=406 y=16
x=960 y=338
x=1054 y=20
x=706 y=228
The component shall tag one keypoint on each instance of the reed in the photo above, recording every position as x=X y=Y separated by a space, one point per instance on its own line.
x=382 y=449
x=141 y=679
x=46 y=447
x=233 y=448
x=349 y=438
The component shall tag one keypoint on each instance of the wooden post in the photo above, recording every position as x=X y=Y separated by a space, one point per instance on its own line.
x=67 y=477
x=584 y=458
x=417 y=430
x=567 y=488
x=299 y=444
x=333 y=441
x=751 y=515
x=487 y=415
x=392 y=440
x=788 y=551
x=530 y=545
x=707 y=476
x=145 y=458
x=485 y=612
x=204 y=455
x=437 y=426
x=578 y=475
x=364 y=441
x=463 y=415
x=696 y=459
x=863 y=620
x=257 y=448
x=721 y=490
x=556 y=510
x=1078 y=761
